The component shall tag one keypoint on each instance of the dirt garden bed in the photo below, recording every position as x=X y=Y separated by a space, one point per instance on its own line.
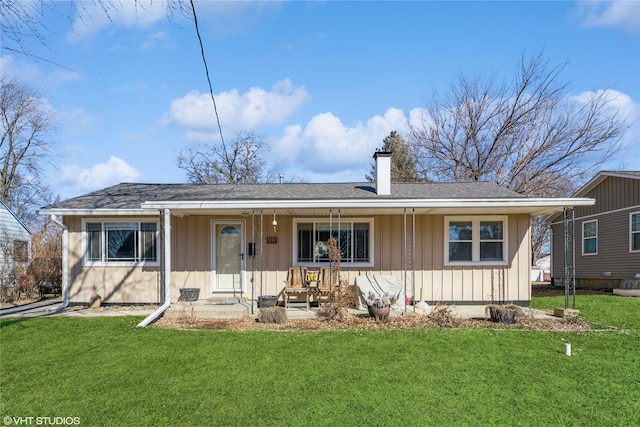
x=405 y=321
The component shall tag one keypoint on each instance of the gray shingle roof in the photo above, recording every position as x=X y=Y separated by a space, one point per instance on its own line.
x=630 y=174
x=131 y=196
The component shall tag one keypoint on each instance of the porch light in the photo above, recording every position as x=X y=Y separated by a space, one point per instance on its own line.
x=274 y=223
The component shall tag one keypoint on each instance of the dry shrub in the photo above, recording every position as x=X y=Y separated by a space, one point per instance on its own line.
x=345 y=295
x=442 y=316
x=29 y=277
x=334 y=312
x=45 y=270
x=334 y=252
x=507 y=314
x=188 y=315
x=277 y=315
x=340 y=300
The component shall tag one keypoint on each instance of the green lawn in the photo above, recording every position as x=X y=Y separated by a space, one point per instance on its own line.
x=106 y=371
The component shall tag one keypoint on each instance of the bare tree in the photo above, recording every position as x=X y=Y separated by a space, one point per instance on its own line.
x=45 y=269
x=22 y=21
x=25 y=146
x=240 y=161
x=527 y=135
x=403 y=162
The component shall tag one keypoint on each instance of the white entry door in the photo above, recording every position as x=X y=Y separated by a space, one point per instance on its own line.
x=228 y=256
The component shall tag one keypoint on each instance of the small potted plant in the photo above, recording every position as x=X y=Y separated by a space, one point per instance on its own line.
x=379 y=306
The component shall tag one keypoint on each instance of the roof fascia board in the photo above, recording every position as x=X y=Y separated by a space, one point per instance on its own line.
x=153 y=208
x=99 y=212
x=385 y=203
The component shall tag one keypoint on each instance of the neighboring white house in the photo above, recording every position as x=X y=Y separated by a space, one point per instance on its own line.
x=15 y=242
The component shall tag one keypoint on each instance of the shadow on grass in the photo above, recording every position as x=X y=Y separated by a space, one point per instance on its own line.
x=10 y=321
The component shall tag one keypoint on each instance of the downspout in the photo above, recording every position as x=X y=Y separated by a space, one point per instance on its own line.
x=167 y=272
x=65 y=265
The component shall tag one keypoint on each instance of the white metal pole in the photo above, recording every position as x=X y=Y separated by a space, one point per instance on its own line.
x=413 y=258
x=261 y=257
x=253 y=259
x=404 y=258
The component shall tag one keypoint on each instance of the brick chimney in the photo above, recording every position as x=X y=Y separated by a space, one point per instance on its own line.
x=383 y=172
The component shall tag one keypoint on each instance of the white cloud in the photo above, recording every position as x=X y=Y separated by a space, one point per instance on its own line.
x=223 y=17
x=329 y=150
x=76 y=120
x=75 y=179
x=27 y=72
x=622 y=13
x=621 y=104
x=13 y=68
x=92 y=17
x=159 y=38
x=251 y=110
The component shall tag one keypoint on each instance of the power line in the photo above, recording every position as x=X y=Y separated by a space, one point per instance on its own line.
x=206 y=69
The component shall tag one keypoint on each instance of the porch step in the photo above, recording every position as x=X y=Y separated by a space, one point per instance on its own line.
x=226 y=300
x=206 y=310
x=627 y=292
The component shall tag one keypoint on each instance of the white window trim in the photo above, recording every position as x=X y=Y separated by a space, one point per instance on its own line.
x=86 y=263
x=475 y=241
x=368 y=220
x=631 y=231
x=596 y=237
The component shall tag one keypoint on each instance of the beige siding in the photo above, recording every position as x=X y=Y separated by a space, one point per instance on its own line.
x=113 y=284
x=191 y=249
x=190 y=253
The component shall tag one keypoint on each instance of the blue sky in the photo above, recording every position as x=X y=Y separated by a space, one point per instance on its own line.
x=323 y=82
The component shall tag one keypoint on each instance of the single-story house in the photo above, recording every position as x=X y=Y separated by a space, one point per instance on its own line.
x=15 y=244
x=606 y=234
x=462 y=243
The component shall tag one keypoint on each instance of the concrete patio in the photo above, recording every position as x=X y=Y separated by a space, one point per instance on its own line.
x=204 y=309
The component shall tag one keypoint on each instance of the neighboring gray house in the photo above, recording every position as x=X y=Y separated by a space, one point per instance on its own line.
x=606 y=235
x=15 y=242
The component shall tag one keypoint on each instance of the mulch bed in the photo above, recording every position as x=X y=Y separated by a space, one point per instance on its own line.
x=408 y=321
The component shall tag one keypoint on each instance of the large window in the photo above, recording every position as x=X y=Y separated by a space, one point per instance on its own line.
x=634 y=229
x=475 y=240
x=590 y=237
x=122 y=242
x=354 y=241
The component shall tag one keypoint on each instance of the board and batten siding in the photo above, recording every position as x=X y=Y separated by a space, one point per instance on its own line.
x=616 y=198
x=114 y=284
x=435 y=282
x=191 y=261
